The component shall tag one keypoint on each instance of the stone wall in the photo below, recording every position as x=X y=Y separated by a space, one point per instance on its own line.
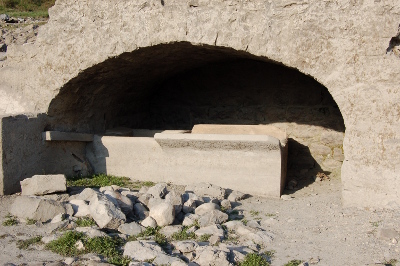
x=342 y=44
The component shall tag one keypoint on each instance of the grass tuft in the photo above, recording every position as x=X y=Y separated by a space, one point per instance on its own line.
x=254 y=259
x=103 y=180
x=293 y=263
x=85 y=222
x=10 y=220
x=30 y=221
x=106 y=246
x=24 y=244
x=204 y=238
x=183 y=235
x=26 y=8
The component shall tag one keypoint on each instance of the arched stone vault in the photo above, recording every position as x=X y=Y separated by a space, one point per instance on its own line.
x=342 y=44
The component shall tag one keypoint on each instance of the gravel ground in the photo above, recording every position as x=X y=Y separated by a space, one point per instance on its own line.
x=312 y=226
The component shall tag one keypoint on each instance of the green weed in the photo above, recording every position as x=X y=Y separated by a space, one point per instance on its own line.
x=184 y=235
x=30 y=221
x=103 y=180
x=204 y=238
x=293 y=263
x=254 y=259
x=85 y=222
x=254 y=213
x=10 y=220
x=26 y=8
x=24 y=244
x=106 y=246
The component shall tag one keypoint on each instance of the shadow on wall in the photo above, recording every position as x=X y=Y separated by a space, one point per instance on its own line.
x=24 y=153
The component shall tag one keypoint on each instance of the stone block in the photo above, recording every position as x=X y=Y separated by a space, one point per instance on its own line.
x=43 y=184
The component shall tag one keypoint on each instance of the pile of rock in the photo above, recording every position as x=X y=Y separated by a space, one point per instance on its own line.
x=197 y=211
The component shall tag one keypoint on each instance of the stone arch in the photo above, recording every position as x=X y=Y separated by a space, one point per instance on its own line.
x=177 y=85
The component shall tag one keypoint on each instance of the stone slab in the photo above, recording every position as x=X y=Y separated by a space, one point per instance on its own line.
x=66 y=136
x=43 y=184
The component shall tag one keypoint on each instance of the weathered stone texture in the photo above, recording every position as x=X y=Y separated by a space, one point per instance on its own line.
x=342 y=44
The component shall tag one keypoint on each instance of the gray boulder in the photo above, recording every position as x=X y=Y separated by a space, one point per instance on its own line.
x=131 y=229
x=38 y=209
x=163 y=214
x=175 y=199
x=149 y=222
x=106 y=213
x=236 y=196
x=213 y=217
x=158 y=191
x=80 y=207
x=124 y=202
x=142 y=250
x=186 y=246
x=43 y=184
x=169 y=230
x=86 y=194
x=212 y=256
x=215 y=229
x=4 y=17
x=206 y=208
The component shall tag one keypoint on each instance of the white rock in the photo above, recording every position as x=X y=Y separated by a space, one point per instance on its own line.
x=143 y=190
x=43 y=184
x=145 y=198
x=80 y=207
x=212 y=256
x=175 y=199
x=158 y=191
x=132 y=195
x=205 y=208
x=236 y=196
x=105 y=213
x=131 y=229
x=164 y=259
x=262 y=238
x=226 y=204
x=38 y=209
x=86 y=194
x=206 y=189
x=190 y=219
x=213 y=217
x=58 y=218
x=215 y=229
x=149 y=222
x=79 y=245
x=90 y=231
x=142 y=250
x=237 y=257
x=154 y=202
x=106 y=188
x=124 y=202
x=164 y=214
x=169 y=230
x=191 y=196
x=186 y=246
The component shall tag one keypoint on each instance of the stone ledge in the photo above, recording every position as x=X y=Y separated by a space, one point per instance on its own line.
x=66 y=136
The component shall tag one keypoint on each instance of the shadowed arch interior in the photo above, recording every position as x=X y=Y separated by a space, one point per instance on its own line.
x=177 y=85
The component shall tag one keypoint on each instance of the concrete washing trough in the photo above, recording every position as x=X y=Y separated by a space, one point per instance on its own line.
x=248 y=158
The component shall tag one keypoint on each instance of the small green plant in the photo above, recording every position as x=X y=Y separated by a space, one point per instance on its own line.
x=270 y=253
x=270 y=214
x=147 y=184
x=106 y=246
x=184 y=234
x=159 y=238
x=254 y=213
x=244 y=221
x=30 y=221
x=24 y=244
x=65 y=245
x=375 y=224
x=204 y=238
x=293 y=263
x=254 y=259
x=85 y=222
x=10 y=220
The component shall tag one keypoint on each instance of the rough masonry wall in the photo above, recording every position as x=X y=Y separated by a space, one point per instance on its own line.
x=340 y=43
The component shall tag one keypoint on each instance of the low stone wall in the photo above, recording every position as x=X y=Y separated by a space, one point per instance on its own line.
x=251 y=163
